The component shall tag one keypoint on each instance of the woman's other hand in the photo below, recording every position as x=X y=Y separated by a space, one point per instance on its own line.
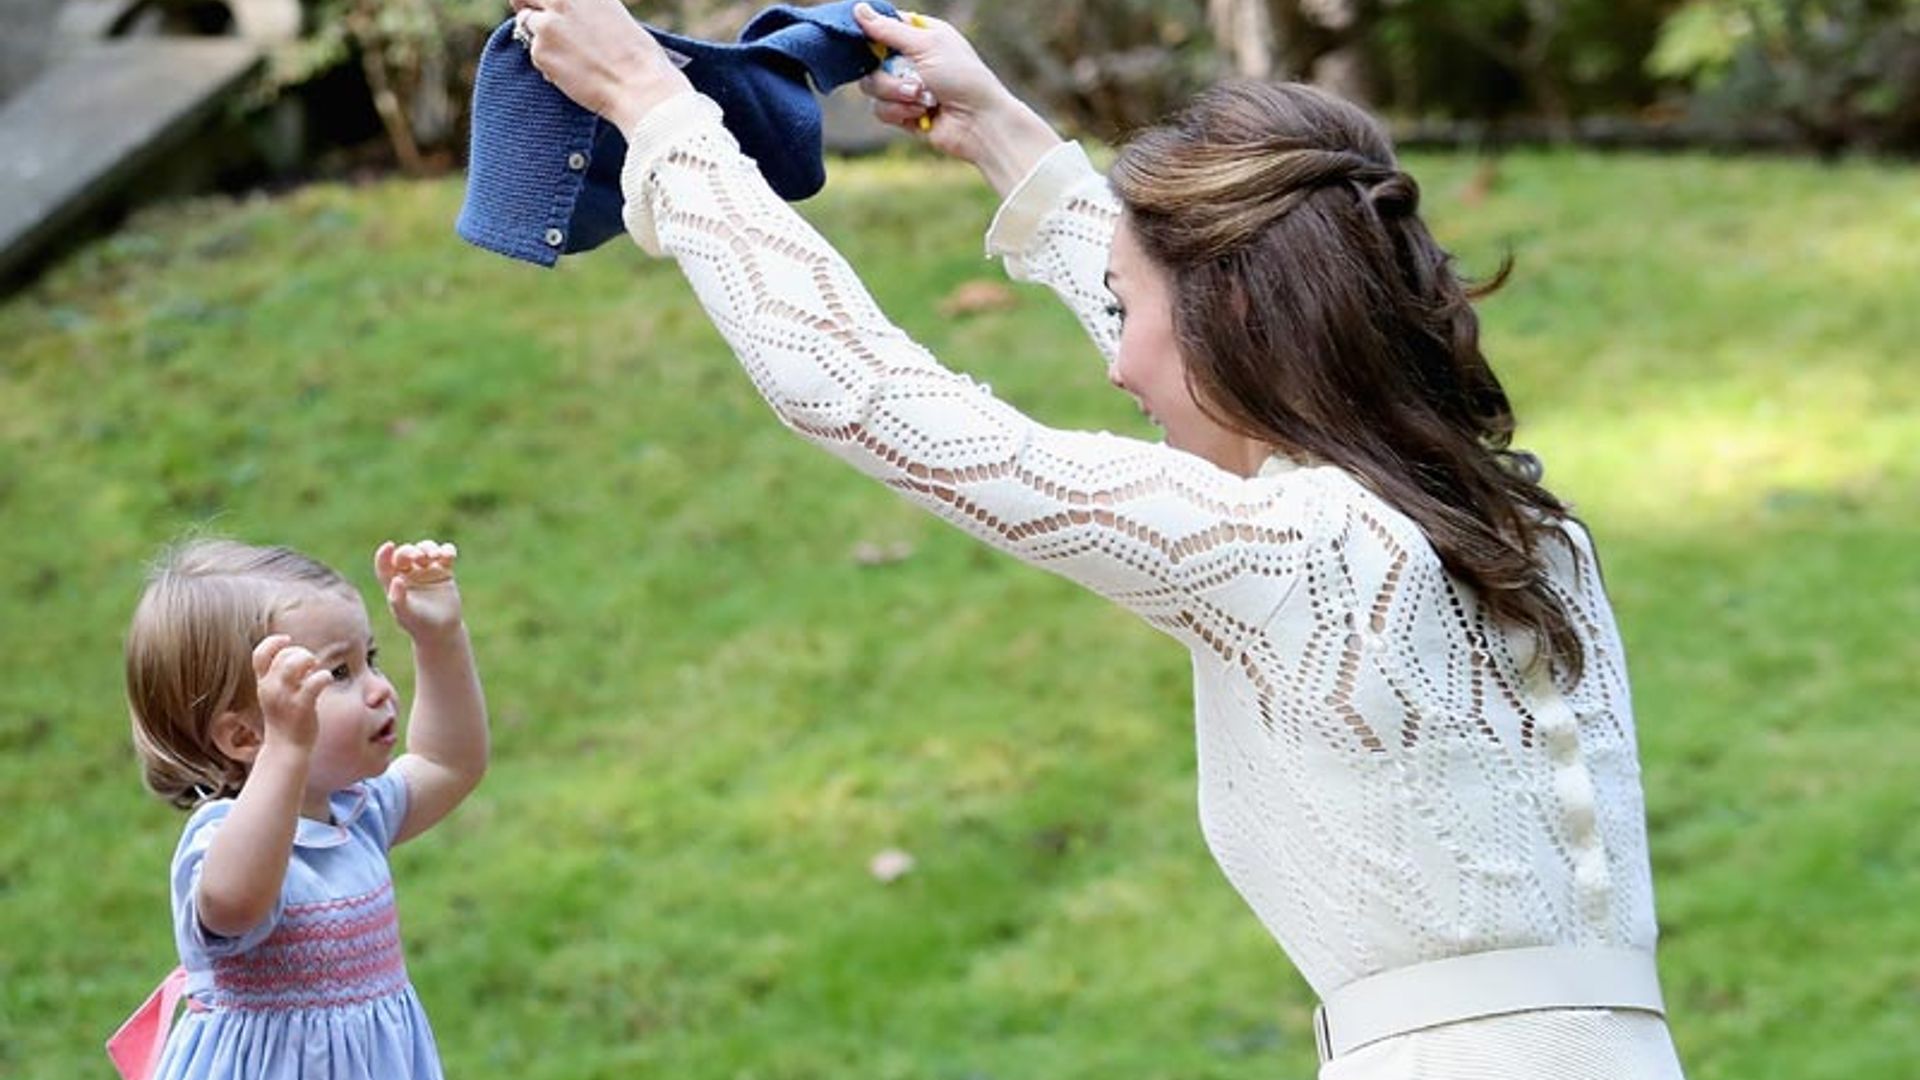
x=596 y=53
x=973 y=115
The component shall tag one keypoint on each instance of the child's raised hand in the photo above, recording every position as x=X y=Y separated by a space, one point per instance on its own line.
x=289 y=680
x=418 y=581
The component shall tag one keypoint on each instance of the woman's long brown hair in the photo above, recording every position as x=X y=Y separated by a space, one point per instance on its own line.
x=1315 y=312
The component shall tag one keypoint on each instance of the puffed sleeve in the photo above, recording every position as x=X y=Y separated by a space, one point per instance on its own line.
x=386 y=809
x=192 y=936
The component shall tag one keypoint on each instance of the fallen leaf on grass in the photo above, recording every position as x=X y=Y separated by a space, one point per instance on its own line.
x=868 y=553
x=890 y=865
x=978 y=297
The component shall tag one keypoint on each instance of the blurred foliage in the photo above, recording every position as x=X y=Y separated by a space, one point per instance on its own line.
x=1556 y=59
x=1107 y=66
x=417 y=58
x=1840 y=72
x=1099 y=67
x=1829 y=73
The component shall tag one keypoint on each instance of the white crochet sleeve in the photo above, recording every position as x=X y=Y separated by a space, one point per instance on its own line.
x=1191 y=548
x=1056 y=229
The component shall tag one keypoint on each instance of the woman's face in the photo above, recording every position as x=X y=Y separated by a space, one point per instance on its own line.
x=1148 y=364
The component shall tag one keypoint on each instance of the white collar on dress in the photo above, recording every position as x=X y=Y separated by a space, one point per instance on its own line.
x=346 y=805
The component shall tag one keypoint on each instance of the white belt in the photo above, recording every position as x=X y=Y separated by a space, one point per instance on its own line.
x=1483 y=984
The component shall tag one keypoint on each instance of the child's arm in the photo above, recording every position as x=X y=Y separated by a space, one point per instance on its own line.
x=447 y=733
x=246 y=862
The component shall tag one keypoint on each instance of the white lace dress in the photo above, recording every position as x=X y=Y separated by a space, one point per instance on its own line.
x=1377 y=778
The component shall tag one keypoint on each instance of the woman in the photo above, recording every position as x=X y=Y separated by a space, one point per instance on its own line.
x=1416 y=746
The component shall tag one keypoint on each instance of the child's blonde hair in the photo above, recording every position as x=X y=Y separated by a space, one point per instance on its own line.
x=207 y=604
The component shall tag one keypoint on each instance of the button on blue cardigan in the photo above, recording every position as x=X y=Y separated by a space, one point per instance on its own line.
x=543 y=174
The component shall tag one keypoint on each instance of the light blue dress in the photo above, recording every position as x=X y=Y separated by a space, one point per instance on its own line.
x=319 y=991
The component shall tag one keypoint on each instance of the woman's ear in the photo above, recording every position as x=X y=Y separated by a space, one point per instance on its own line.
x=237 y=735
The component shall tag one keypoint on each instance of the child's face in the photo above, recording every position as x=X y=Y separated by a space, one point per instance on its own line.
x=358 y=710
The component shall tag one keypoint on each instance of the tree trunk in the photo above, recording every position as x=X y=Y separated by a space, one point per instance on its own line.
x=1244 y=31
x=1337 y=30
x=1544 y=19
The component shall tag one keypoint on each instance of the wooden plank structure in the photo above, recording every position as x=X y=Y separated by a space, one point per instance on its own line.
x=88 y=126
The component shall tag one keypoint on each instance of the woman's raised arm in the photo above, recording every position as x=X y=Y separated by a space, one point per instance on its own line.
x=1167 y=534
x=1176 y=539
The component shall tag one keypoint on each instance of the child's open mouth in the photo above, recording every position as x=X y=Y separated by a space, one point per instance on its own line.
x=387 y=734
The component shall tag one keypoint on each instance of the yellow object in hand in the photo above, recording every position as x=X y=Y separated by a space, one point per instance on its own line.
x=899 y=66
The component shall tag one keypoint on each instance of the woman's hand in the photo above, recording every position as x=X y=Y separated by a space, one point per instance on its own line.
x=418 y=581
x=596 y=53
x=973 y=116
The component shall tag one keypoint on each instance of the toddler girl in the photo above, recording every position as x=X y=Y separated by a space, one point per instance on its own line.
x=258 y=704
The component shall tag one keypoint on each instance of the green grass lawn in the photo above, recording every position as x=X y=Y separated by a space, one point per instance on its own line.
x=710 y=712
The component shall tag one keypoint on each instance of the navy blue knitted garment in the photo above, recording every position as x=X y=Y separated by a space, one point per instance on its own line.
x=543 y=174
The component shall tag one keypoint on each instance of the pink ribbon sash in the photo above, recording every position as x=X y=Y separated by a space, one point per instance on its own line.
x=135 y=1048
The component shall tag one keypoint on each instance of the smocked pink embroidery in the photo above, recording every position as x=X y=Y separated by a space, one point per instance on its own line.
x=322 y=955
